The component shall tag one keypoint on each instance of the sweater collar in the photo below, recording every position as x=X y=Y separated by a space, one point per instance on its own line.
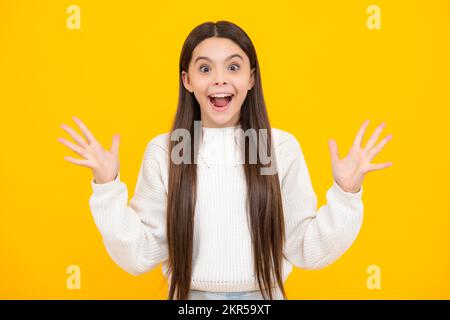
x=220 y=145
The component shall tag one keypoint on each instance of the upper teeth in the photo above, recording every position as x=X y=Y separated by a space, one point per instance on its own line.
x=221 y=95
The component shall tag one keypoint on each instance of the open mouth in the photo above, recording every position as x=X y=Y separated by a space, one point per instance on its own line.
x=220 y=101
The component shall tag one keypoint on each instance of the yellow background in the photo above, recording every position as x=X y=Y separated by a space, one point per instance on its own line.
x=324 y=72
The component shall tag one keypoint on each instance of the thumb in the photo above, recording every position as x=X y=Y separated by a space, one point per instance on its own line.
x=115 y=144
x=334 y=152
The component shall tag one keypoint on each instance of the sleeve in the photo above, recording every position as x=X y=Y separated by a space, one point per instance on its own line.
x=315 y=238
x=134 y=235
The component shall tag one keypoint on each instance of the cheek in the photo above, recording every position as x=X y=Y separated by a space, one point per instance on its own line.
x=241 y=87
x=199 y=84
x=241 y=84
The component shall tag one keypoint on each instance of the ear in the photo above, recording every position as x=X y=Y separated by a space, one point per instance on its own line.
x=186 y=81
x=251 y=83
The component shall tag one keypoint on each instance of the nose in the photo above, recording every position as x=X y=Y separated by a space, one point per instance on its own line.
x=220 y=79
x=216 y=82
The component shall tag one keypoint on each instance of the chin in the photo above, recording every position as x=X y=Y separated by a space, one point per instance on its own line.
x=219 y=119
x=221 y=122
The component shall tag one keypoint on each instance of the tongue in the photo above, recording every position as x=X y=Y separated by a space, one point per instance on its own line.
x=220 y=102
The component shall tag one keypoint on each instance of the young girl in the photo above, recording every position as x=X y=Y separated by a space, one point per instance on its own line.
x=223 y=228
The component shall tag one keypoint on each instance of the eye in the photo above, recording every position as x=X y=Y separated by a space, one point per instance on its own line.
x=234 y=67
x=204 y=68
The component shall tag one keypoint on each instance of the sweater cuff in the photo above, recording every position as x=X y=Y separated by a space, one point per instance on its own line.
x=344 y=195
x=102 y=187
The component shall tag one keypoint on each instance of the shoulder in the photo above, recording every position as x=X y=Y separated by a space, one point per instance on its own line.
x=284 y=140
x=158 y=146
x=288 y=151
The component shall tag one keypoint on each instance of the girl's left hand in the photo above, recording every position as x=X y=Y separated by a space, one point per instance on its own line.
x=349 y=172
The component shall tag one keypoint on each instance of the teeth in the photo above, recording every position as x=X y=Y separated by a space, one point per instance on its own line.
x=221 y=95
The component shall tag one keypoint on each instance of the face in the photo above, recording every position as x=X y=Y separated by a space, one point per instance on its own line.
x=220 y=76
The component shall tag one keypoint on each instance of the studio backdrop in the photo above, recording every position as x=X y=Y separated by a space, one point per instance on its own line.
x=326 y=67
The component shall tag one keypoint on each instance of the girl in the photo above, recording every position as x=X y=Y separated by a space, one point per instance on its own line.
x=221 y=227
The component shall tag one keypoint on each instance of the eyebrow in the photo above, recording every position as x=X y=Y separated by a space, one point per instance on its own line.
x=230 y=57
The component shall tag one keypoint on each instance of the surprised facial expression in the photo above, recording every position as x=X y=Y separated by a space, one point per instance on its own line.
x=219 y=75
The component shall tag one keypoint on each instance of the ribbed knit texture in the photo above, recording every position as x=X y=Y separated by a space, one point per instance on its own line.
x=134 y=233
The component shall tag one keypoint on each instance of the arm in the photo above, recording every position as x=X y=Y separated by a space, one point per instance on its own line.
x=134 y=234
x=315 y=238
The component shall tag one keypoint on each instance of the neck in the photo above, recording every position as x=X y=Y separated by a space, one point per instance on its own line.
x=232 y=123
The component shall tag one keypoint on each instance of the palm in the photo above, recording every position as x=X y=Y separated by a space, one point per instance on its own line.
x=102 y=160
x=104 y=163
x=349 y=171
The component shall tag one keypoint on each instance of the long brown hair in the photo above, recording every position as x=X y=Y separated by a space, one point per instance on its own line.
x=264 y=204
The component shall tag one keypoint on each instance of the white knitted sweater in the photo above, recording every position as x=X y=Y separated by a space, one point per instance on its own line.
x=134 y=233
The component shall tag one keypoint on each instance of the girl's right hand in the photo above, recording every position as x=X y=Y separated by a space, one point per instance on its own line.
x=103 y=163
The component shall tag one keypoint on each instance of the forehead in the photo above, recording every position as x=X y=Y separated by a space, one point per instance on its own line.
x=217 y=49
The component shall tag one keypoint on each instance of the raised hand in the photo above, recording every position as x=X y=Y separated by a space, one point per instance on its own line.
x=349 y=172
x=103 y=163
